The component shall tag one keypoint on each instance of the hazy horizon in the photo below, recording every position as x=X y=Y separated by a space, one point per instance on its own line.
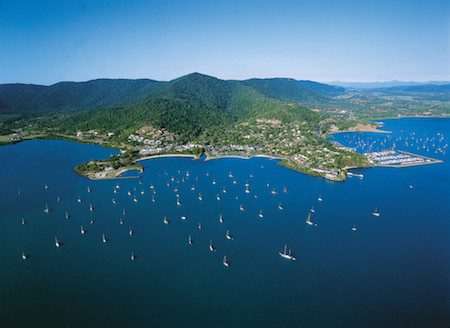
x=46 y=42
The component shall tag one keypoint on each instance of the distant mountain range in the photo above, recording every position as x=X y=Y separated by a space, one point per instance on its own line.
x=386 y=84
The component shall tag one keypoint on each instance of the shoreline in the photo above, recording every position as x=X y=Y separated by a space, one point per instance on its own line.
x=166 y=155
x=363 y=128
x=210 y=157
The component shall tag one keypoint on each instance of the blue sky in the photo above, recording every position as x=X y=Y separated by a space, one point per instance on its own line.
x=48 y=41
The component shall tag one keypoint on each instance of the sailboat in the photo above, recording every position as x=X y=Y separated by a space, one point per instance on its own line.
x=308 y=220
x=353 y=228
x=82 y=231
x=280 y=207
x=91 y=208
x=211 y=246
x=132 y=257
x=166 y=220
x=218 y=197
x=58 y=199
x=228 y=235
x=190 y=240
x=221 y=218
x=200 y=197
x=57 y=242
x=261 y=215
x=46 y=209
x=200 y=226
x=104 y=238
x=225 y=261
x=114 y=201
x=241 y=207
x=376 y=213
x=183 y=217
x=320 y=198
x=67 y=216
x=124 y=212
x=88 y=189
x=23 y=222
x=130 y=232
x=79 y=200
x=287 y=255
x=24 y=256
x=312 y=210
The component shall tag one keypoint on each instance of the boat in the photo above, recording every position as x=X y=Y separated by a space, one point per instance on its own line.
x=46 y=209
x=88 y=189
x=23 y=222
x=228 y=235
x=58 y=199
x=130 y=232
x=135 y=199
x=218 y=197
x=178 y=202
x=200 y=197
x=280 y=207
x=192 y=188
x=358 y=175
x=320 y=199
x=104 y=238
x=308 y=220
x=241 y=207
x=153 y=199
x=353 y=228
x=114 y=201
x=124 y=212
x=82 y=231
x=200 y=226
x=183 y=217
x=132 y=257
x=287 y=254
x=312 y=210
x=221 y=218
x=211 y=246
x=376 y=213
x=67 y=216
x=79 y=200
x=225 y=261
x=121 y=221
x=92 y=221
x=166 y=220
x=261 y=215
x=24 y=256
x=91 y=208
x=57 y=242
x=190 y=240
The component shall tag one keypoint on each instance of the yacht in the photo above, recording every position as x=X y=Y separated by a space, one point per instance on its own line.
x=183 y=217
x=218 y=197
x=79 y=200
x=287 y=254
x=91 y=208
x=320 y=198
x=46 y=209
x=200 y=226
x=211 y=246
x=190 y=240
x=280 y=207
x=353 y=228
x=88 y=189
x=312 y=210
x=241 y=207
x=124 y=212
x=24 y=256
x=104 y=238
x=67 y=216
x=228 y=235
x=376 y=213
x=82 y=231
x=23 y=222
x=166 y=220
x=225 y=261
x=261 y=215
x=132 y=257
x=221 y=218
x=114 y=201
x=308 y=220
x=200 y=197
x=57 y=242
x=130 y=232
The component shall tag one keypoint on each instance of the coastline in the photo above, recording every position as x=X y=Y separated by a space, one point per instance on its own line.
x=210 y=157
x=166 y=155
x=362 y=128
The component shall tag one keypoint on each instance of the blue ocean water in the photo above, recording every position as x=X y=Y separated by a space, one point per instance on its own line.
x=394 y=271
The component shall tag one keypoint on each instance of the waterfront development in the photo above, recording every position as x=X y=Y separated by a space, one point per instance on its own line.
x=191 y=239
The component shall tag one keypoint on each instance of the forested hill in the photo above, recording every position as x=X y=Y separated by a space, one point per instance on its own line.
x=103 y=93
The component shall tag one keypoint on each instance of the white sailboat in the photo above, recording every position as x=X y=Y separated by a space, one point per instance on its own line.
x=320 y=199
x=221 y=218
x=190 y=240
x=24 y=256
x=211 y=246
x=228 y=235
x=200 y=197
x=23 y=222
x=82 y=231
x=130 y=232
x=353 y=228
x=132 y=257
x=166 y=220
x=57 y=242
x=241 y=207
x=287 y=254
x=91 y=208
x=280 y=207
x=46 y=209
x=376 y=213
x=308 y=220
x=200 y=226
x=261 y=215
x=225 y=261
x=104 y=239
x=312 y=210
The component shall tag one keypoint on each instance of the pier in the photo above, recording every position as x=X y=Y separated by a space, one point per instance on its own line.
x=398 y=158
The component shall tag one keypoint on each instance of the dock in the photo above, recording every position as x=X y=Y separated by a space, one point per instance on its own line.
x=398 y=159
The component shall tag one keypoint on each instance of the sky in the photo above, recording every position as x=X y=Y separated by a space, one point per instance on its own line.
x=44 y=42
